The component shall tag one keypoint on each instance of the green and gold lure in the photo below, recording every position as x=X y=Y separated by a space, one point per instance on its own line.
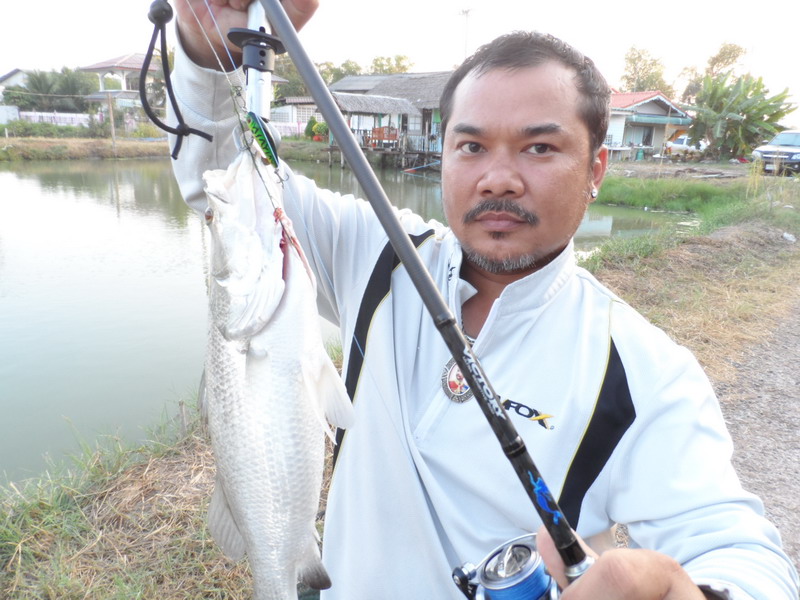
x=262 y=137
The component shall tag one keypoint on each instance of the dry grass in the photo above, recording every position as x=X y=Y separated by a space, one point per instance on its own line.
x=715 y=294
x=141 y=535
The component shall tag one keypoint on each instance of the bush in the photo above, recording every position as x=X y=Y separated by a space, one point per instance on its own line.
x=148 y=130
x=320 y=129
x=309 y=132
x=48 y=130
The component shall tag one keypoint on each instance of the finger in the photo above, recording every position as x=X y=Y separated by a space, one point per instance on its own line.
x=552 y=559
x=625 y=574
x=239 y=4
x=547 y=550
x=300 y=11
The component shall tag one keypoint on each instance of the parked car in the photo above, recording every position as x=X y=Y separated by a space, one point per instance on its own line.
x=683 y=145
x=781 y=154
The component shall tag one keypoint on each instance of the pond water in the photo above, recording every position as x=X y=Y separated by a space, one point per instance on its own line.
x=102 y=296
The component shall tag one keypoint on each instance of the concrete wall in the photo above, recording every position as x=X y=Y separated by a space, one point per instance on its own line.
x=8 y=113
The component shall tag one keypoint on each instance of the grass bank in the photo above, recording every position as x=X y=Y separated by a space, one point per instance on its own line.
x=21 y=149
x=130 y=522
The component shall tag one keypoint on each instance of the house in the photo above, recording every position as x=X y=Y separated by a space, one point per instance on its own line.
x=376 y=121
x=642 y=120
x=357 y=84
x=13 y=77
x=422 y=90
x=290 y=115
x=18 y=77
x=126 y=68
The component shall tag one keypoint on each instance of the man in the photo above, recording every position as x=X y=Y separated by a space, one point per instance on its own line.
x=634 y=436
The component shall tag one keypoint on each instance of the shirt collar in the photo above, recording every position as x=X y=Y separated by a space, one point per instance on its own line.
x=531 y=291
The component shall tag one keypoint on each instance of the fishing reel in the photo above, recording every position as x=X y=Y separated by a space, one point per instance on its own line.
x=514 y=570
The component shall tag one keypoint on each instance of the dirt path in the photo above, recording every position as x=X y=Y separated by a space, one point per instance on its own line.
x=761 y=409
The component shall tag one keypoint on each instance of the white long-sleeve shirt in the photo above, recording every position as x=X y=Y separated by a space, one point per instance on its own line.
x=621 y=421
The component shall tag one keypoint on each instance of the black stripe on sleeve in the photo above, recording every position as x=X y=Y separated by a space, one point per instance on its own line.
x=378 y=286
x=612 y=417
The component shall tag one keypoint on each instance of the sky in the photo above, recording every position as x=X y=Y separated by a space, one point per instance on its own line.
x=437 y=34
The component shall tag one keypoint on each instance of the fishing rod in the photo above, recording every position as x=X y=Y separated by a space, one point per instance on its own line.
x=575 y=558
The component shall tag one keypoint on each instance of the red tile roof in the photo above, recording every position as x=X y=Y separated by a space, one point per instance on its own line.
x=629 y=99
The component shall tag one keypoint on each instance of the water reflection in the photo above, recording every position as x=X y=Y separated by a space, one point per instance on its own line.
x=102 y=304
x=421 y=193
x=148 y=186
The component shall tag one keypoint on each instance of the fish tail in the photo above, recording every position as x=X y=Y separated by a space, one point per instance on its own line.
x=312 y=571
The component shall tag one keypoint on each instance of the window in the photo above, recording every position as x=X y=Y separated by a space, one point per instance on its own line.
x=639 y=136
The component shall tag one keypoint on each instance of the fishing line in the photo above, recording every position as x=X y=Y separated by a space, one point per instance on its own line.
x=489 y=402
x=236 y=94
x=211 y=45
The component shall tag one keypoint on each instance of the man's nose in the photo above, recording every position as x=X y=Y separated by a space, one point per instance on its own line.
x=501 y=177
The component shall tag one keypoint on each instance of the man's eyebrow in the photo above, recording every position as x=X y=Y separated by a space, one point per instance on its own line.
x=467 y=129
x=530 y=131
x=534 y=130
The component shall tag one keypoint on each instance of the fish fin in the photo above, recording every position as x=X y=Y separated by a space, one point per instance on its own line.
x=323 y=382
x=222 y=525
x=337 y=404
x=312 y=571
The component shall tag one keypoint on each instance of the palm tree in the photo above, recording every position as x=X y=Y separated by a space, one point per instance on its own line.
x=73 y=85
x=42 y=84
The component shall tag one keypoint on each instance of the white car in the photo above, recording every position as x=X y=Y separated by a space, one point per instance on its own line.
x=683 y=145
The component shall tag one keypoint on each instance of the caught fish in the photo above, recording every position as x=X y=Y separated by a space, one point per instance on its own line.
x=270 y=387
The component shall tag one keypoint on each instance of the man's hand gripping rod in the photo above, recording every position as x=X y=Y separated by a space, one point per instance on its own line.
x=573 y=555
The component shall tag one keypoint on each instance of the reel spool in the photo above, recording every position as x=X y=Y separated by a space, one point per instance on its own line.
x=512 y=571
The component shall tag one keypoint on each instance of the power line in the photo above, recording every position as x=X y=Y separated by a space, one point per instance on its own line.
x=25 y=93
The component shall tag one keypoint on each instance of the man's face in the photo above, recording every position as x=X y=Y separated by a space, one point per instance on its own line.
x=517 y=169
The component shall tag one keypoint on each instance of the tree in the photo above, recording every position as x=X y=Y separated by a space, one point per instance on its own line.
x=724 y=60
x=331 y=74
x=42 y=86
x=72 y=85
x=721 y=62
x=16 y=95
x=735 y=115
x=386 y=65
x=295 y=86
x=156 y=88
x=644 y=73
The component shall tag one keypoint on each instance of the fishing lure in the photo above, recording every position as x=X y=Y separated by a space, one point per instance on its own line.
x=263 y=138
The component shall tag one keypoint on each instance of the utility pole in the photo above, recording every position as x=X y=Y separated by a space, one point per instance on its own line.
x=111 y=118
x=465 y=13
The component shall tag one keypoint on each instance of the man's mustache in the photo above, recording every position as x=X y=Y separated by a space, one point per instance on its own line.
x=499 y=205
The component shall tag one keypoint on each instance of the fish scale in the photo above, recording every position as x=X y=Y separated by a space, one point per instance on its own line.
x=270 y=385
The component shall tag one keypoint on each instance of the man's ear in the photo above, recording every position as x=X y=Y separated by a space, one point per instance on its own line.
x=599 y=166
